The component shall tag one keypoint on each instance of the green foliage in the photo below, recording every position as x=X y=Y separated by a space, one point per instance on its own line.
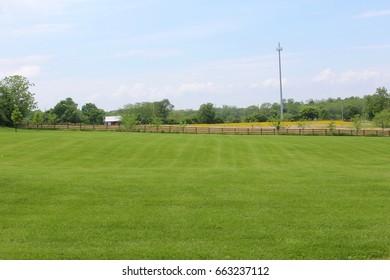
x=15 y=91
x=67 y=111
x=332 y=126
x=276 y=122
x=129 y=122
x=92 y=114
x=377 y=102
x=309 y=113
x=38 y=117
x=163 y=109
x=156 y=122
x=357 y=122
x=51 y=117
x=382 y=119
x=302 y=123
x=146 y=111
x=180 y=196
x=16 y=116
x=206 y=113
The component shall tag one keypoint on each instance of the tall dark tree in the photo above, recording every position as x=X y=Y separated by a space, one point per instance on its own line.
x=206 y=113
x=92 y=114
x=162 y=109
x=377 y=102
x=15 y=91
x=309 y=112
x=66 y=111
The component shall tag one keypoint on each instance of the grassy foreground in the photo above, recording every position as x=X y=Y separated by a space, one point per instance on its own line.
x=102 y=195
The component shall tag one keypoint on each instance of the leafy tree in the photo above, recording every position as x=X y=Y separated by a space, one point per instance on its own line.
x=16 y=117
x=309 y=112
x=377 y=102
x=292 y=109
x=67 y=112
x=92 y=114
x=382 y=119
x=156 y=122
x=206 y=113
x=162 y=109
x=324 y=113
x=129 y=121
x=51 y=117
x=302 y=123
x=276 y=122
x=15 y=90
x=357 y=122
x=38 y=117
x=332 y=126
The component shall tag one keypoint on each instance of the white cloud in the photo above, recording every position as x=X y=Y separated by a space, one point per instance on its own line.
x=28 y=66
x=326 y=75
x=346 y=77
x=377 y=13
x=351 y=76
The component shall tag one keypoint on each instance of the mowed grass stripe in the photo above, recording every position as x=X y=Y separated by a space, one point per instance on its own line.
x=98 y=195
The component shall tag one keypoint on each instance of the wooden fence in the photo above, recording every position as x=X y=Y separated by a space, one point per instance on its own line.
x=217 y=130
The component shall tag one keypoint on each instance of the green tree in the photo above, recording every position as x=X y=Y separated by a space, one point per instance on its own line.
x=92 y=114
x=382 y=119
x=332 y=126
x=377 y=102
x=67 y=112
x=206 y=113
x=129 y=121
x=276 y=122
x=15 y=90
x=51 y=117
x=309 y=112
x=162 y=109
x=156 y=122
x=16 y=117
x=357 y=122
x=38 y=117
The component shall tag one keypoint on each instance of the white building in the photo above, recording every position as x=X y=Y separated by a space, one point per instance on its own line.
x=112 y=120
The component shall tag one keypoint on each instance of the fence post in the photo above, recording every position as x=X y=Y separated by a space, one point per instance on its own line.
x=196 y=130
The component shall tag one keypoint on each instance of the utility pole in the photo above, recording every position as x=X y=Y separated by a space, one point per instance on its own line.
x=279 y=49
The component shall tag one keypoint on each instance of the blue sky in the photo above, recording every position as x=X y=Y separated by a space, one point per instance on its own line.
x=116 y=52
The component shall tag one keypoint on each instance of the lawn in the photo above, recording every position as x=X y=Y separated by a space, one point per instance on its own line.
x=108 y=195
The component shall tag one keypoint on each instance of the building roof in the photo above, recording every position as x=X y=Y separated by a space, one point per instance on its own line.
x=112 y=119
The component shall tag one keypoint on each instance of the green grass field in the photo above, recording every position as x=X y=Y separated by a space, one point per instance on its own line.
x=106 y=195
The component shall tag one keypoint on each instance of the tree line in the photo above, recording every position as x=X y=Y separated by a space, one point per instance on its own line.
x=17 y=104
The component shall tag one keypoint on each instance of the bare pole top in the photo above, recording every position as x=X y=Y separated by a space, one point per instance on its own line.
x=279 y=48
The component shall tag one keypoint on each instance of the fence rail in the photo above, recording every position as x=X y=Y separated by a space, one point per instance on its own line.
x=216 y=130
